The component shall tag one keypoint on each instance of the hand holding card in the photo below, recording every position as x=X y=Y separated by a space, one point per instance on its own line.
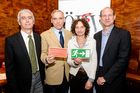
x=58 y=52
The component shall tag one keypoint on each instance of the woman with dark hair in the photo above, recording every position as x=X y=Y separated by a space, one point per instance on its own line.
x=82 y=71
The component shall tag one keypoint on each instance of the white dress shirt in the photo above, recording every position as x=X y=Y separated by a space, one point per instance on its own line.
x=26 y=40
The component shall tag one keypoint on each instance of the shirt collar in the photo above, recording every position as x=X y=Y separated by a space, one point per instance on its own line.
x=109 y=31
x=57 y=31
x=25 y=35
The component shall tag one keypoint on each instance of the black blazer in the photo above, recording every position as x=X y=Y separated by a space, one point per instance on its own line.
x=17 y=63
x=115 y=59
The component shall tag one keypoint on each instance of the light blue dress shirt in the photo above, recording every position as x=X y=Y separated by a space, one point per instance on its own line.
x=57 y=33
x=103 y=44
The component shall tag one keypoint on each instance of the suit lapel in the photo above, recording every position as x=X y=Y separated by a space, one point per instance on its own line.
x=111 y=38
x=54 y=37
x=36 y=45
x=21 y=41
x=66 y=39
x=99 y=44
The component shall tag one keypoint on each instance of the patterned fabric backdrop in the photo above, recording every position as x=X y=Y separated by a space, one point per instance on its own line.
x=128 y=17
x=8 y=17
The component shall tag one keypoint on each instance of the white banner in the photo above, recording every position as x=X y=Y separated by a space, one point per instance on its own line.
x=89 y=9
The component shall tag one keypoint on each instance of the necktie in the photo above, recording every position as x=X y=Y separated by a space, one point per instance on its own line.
x=32 y=54
x=61 y=39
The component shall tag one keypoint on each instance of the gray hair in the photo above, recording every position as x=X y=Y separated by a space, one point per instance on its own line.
x=56 y=11
x=105 y=8
x=24 y=10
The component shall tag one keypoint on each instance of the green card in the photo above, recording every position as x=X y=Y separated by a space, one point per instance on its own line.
x=83 y=53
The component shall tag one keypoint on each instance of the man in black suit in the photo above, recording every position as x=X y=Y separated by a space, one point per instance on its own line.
x=24 y=69
x=113 y=50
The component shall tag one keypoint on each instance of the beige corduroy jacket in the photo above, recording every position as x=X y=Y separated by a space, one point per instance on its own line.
x=54 y=72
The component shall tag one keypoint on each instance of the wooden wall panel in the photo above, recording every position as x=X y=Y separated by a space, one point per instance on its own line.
x=128 y=17
x=8 y=17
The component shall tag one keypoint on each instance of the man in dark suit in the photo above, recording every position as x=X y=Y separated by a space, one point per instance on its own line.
x=24 y=69
x=113 y=50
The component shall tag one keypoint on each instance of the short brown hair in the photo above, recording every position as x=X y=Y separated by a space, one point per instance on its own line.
x=84 y=22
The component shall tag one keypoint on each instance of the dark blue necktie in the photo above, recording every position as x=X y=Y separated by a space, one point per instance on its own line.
x=61 y=39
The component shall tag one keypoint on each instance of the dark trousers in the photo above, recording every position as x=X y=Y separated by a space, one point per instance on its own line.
x=62 y=88
x=77 y=83
x=119 y=87
x=99 y=88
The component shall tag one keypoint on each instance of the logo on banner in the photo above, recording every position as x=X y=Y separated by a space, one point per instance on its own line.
x=84 y=16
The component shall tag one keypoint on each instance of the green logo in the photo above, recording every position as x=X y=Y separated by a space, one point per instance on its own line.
x=83 y=53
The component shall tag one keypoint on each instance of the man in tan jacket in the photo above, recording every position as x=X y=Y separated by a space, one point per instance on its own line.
x=56 y=69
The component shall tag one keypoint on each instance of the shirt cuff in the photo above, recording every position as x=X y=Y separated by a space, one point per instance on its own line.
x=90 y=79
x=74 y=63
x=45 y=60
